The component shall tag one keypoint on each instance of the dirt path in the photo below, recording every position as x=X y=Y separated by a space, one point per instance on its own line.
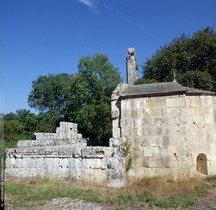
x=208 y=203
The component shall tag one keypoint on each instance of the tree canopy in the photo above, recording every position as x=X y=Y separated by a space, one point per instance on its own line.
x=89 y=103
x=83 y=98
x=49 y=92
x=191 y=58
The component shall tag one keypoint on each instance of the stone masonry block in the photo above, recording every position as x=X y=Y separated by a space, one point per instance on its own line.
x=198 y=119
x=96 y=164
x=93 y=152
x=202 y=111
x=155 y=141
x=180 y=102
x=158 y=131
x=166 y=140
x=170 y=102
x=150 y=131
x=148 y=121
x=159 y=121
x=159 y=102
x=141 y=103
x=207 y=101
x=155 y=111
x=164 y=152
x=208 y=120
x=156 y=162
x=148 y=151
x=149 y=104
x=156 y=150
x=145 y=142
x=196 y=102
x=117 y=142
x=190 y=111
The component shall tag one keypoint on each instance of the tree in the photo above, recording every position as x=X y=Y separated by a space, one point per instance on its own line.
x=91 y=91
x=192 y=58
x=49 y=93
x=83 y=98
x=48 y=121
x=20 y=125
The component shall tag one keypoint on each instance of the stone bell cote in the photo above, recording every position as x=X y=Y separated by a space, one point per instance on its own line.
x=131 y=66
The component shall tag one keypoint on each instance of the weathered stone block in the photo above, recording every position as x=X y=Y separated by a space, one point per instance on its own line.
x=156 y=150
x=166 y=141
x=159 y=102
x=148 y=151
x=156 y=162
x=117 y=142
x=180 y=102
x=170 y=102
x=155 y=111
x=164 y=152
x=196 y=102
x=190 y=111
x=145 y=142
x=150 y=131
x=155 y=141
x=202 y=111
x=159 y=131
x=93 y=152
x=159 y=121
x=149 y=103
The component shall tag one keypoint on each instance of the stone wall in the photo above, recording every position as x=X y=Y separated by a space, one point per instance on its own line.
x=65 y=155
x=169 y=135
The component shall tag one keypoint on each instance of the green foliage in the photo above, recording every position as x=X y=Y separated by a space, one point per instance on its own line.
x=23 y=124
x=18 y=126
x=89 y=103
x=128 y=156
x=48 y=121
x=83 y=98
x=49 y=93
x=192 y=58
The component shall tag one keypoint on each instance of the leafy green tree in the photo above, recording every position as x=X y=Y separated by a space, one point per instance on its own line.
x=49 y=93
x=89 y=103
x=192 y=58
x=23 y=124
x=83 y=98
x=48 y=121
x=20 y=125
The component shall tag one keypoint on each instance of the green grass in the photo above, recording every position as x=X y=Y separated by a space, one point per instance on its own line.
x=37 y=192
x=30 y=194
x=211 y=179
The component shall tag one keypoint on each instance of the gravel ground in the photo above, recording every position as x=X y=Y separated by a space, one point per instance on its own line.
x=68 y=204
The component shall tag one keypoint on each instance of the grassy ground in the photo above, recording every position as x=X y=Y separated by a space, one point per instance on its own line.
x=159 y=191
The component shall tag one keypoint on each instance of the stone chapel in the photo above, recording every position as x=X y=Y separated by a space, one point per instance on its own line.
x=171 y=128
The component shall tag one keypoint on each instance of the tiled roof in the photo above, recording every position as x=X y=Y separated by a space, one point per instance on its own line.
x=161 y=89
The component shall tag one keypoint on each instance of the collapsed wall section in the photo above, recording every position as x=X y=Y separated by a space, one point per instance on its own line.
x=65 y=155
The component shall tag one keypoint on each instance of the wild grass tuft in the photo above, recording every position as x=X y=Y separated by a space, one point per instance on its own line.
x=158 y=191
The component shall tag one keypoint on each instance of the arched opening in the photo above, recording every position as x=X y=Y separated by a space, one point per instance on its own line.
x=202 y=164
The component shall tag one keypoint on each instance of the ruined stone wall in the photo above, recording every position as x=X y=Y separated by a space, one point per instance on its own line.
x=170 y=135
x=65 y=155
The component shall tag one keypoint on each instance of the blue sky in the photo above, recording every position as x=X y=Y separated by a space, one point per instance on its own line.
x=38 y=37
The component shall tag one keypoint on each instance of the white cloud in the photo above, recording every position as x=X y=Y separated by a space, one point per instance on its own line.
x=90 y=3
